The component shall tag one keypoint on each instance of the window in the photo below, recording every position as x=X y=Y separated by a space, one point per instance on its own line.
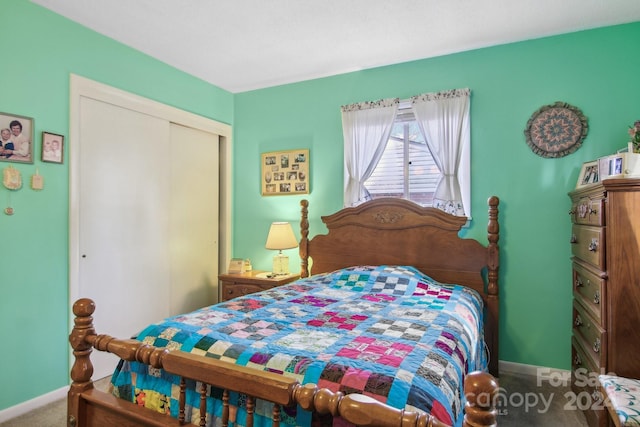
x=406 y=168
x=418 y=149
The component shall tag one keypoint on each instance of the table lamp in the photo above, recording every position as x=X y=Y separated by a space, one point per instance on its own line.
x=281 y=237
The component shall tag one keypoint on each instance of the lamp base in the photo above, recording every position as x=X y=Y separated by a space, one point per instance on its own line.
x=280 y=264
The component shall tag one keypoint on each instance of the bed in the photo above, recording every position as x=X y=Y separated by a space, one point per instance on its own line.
x=387 y=326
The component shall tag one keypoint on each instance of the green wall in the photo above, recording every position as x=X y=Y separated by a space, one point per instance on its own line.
x=41 y=50
x=596 y=71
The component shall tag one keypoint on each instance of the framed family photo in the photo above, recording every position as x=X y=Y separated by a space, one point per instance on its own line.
x=16 y=138
x=589 y=174
x=52 y=147
x=285 y=172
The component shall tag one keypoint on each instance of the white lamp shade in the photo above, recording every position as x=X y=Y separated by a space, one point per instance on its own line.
x=281 y=237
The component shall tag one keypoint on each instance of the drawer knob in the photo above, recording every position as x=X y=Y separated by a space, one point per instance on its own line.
x=578 y=320
x=593 y=246
x=578 y=282
x=585 y=209
x=577 y=361
x=582 y=210
x=596 y=297
x=596 y=345
x=574 y=239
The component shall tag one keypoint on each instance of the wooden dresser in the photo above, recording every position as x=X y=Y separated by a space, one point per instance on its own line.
x=605 y=243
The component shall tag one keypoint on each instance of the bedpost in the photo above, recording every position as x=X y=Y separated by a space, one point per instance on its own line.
x=82 y=369
x=493 y=297
x=304 y=241
x=480 y=391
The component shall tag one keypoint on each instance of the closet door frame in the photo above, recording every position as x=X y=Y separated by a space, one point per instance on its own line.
x=81 y=87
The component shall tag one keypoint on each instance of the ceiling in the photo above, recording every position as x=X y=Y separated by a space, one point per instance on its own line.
x=241 y=45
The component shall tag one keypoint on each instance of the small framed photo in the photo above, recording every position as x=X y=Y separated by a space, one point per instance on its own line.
x=52 y=147
x=16 y=138
x=589 y=174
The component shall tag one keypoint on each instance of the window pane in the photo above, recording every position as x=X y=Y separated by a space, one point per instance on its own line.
x=423 y=174
x=414 y=178
x=387 y=179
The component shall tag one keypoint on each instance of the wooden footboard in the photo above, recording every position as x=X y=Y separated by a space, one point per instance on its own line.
x=90 y=407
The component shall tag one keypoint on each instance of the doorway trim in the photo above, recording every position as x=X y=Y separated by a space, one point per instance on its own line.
x=81 y=87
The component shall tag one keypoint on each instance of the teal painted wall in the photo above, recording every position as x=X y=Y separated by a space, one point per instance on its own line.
x=596 y=70
x=40 y=51
x=593 y=70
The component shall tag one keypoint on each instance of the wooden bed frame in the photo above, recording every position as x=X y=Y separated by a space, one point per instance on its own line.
x=426 y=238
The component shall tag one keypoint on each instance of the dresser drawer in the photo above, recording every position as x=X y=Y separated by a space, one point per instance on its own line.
x=588 y=211
x=590 y=289
x=590 y=334
x=588 y=244
x=587 y=395
x=581 y=364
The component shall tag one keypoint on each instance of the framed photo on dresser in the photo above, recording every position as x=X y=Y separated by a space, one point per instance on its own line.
x=589 y=174
x=620 y=165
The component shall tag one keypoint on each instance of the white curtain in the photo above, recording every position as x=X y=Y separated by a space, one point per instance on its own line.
x=443 y=118
x=366 y=128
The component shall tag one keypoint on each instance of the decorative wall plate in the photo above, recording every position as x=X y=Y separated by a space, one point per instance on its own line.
x=556 y=130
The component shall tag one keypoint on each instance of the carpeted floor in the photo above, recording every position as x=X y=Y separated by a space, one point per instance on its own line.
x=523 y=403
x=52 y=415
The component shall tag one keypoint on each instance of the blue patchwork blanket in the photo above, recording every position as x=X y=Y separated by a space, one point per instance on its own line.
x=389 y=332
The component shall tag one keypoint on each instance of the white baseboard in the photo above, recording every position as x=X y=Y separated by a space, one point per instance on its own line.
x=35 y=403
x=543 y=372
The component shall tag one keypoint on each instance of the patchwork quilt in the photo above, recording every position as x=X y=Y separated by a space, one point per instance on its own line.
x=389 y=332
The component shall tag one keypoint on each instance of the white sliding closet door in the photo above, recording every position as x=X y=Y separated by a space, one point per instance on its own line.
x=148 y=219
x=193 y=216
x=124 y=260
x=124 y=178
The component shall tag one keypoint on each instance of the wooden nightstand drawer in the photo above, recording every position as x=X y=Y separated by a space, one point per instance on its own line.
x=233 y=290
x=237 y=285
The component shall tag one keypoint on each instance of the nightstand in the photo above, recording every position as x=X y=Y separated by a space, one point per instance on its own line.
x=236 y=285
